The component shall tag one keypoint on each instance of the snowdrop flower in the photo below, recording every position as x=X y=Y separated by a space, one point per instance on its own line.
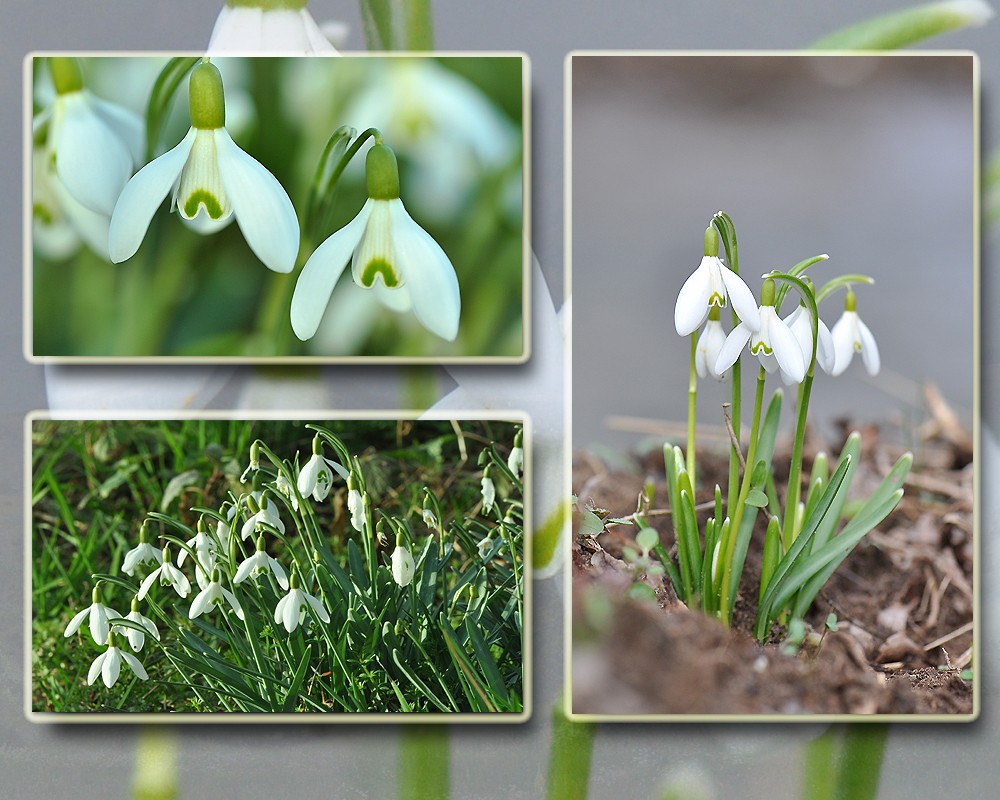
x=168 y=575
x=207 y=551
x=109 y=665
x=799 y=322
x=316 y=477
x=850 y=336
x=261 y=563
x=489 y=492
x=485 y=545
x=402 y=564
x=774 y=345
x=515 y=461
x=212 y=182
x=93 y=144
x=100 y=616
x=710 y=343
x=264 y=514
x=135 y=637
x=291 y=608
x=389 y=254
x=429 y=519
x=142 y=553
x=710 y=285
x=269 y=26
x=213 y=595
x=254 y=464
x=355 y=504
x=283 y=485
x=59 y=222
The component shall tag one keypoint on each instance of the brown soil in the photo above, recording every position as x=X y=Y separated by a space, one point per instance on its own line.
x=903 y=603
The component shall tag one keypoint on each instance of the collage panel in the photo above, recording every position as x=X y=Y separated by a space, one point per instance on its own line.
x=227 y=569
x=359 y=208
x=774 y=263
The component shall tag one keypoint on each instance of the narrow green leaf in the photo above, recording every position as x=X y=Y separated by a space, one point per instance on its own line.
x=161 y=97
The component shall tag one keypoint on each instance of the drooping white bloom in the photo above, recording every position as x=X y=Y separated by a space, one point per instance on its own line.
x=135 y=637
x=142 y=553
x=429 y=519
x=389 y=253
x=109 y=664
x=168 y=575
x=774 y=345
x=485 y=545
x=207 y=551
x=291 y=608
x=211 y=182
x=213 y=595
x=402 y=565
x=100 y=616
x=261 y=563
x=92 y=144
x=710 y=285
x=58 y=221
x=489 y=494
x=356 y=505
x=799 y=322
x=266 y=515
x=268 y=26
x=283 y=485
x=316 y=477
x=515 y=461
x=710 y=343
x=850 y=336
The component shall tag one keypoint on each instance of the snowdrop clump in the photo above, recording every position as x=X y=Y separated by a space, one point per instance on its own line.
x=298 y=592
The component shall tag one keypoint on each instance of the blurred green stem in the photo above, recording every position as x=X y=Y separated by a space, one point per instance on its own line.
x=907 y=27
x=155 y=775
x=424 y=763
x=570 y=757
x=392 y=24
x=420 y=387
x=818 y=780
x=861 y=761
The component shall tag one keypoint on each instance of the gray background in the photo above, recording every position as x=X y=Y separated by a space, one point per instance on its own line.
x=630 y=761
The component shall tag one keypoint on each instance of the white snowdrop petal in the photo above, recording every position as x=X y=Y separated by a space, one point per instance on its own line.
x=126 y=124
x=741 y=297
x=95 y=668
x=76 y=622
x=869 y=350
x=91 y=161
x=237 y=29
x=691 y=308
x=136 y=666
x=321 y=273
x=787 y=351
x=732 y=347
x=262 y=207
x=112 y=667
x=429 y=275
x=317 y=606
x=142 y=196
x=843 y=342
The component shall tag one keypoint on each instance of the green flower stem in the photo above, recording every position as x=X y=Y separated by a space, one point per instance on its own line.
x=727 y=232
x=376 y=16
x=420 y=387
x=819 y=767
x=737 y=514
x=419 y=25
x=570 y=757
x=790 y=529
x=903 y=28
x=424 y=763
x=861 y=762
x=692 y=409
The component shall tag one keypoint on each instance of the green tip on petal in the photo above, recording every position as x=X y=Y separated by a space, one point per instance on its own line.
x=767 y=293
x=382 y=173
x=376 y=267
x=207 y=98
x=66 y=74
x=711 y=242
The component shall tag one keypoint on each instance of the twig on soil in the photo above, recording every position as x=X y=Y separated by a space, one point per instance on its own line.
x=949 y=636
